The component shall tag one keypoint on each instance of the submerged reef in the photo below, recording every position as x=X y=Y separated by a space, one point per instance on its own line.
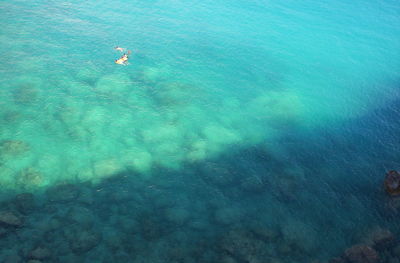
x=151 y=166
x=380 y=245
x=13 y=148
x=136 y=219
x=98 y=123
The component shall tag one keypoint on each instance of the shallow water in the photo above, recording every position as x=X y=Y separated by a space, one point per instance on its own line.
x=230 y=119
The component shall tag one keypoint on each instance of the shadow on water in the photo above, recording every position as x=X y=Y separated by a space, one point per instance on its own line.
x=245 y=206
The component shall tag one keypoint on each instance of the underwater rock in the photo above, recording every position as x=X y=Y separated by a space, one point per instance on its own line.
x=11 y=116
x=63 y=193
x=174 y=94
x=8 y=218
x=69 y=116
x=107 y=168
x=82 y=240
x=151 y=228
x=277 y=107
x=80 y=216
x=228 y=215
x=86 y=196
x=155 y=74
x=88 y=74
x=34 y=261
x=25 y=202
x=286 y=187
x=121 y=195
x=25 y=94
x=140 y=160
x=40 y=253
x=361 y=254
x=93 y=117
x=218 y=175
x=52 y=224
x=13 y=148
x=199 y=225
x=113 y=84
x=393 y=204
x=218 y=136
x=244 y=246
x=264 y=232
x=253 y=184
x=178 y=216
x=302 y=235
x=29 y=177
x=381 y=239
x=176 y=253
x=113 y=239
x=392 y=183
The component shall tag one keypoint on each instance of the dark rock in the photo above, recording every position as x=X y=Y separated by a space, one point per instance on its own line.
x=84 y=241
x=86 y=196
x=361 y=254
x=25 y=202
x=285 y=187
x=81 y=216
x=382 y=239
x=265 y=233
x=34 y=261
x=393 y=205
x=244 y=246
x=151 y=228
x=63 y=193
x=8 y=218
x=392 y=183
x=40 y=253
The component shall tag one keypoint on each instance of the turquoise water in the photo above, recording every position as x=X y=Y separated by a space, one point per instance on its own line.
x=288 y=108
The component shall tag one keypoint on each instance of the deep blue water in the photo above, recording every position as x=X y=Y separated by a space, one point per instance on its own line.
x=240 y=131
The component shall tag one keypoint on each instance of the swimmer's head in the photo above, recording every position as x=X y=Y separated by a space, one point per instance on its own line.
x=119 y=49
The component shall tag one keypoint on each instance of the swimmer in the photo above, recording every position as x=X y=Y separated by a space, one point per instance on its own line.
x=124 y=59
x=121 y=49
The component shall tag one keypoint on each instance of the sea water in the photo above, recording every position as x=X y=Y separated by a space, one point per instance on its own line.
x=232 y=117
